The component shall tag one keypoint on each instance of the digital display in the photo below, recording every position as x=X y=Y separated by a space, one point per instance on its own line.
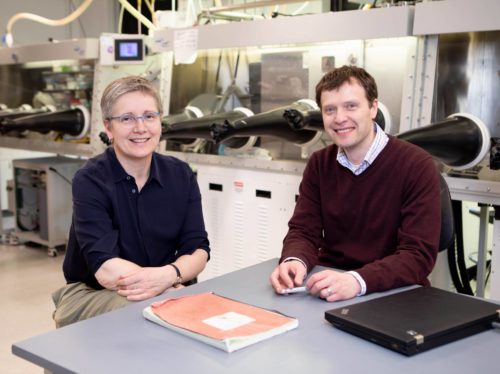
x=129 y=50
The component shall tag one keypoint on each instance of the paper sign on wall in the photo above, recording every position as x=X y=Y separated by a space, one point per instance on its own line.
x=185 y=45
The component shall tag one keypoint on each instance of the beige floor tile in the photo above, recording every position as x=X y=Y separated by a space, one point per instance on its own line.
x=27 y=278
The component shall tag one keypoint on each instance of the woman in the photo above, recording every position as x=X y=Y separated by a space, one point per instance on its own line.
x=137 y=227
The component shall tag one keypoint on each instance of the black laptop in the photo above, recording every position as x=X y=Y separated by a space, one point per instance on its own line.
x=416 y=320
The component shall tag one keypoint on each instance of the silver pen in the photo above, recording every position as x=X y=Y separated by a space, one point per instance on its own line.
x=286 y=291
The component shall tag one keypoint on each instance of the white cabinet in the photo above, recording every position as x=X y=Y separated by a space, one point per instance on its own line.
x=246 y=215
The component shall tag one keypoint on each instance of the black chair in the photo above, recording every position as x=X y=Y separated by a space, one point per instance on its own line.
x=447 y=236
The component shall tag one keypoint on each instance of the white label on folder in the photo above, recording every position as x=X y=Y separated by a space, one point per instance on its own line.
x=228 y=321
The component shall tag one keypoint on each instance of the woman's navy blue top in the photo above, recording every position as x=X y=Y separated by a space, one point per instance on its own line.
x=111 y=218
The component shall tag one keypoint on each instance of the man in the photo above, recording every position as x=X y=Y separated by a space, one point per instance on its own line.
x=137 y=227
x=368 y=204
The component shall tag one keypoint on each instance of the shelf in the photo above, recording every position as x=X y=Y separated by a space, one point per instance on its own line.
x=62 y=148
x=324 y=27
x=56 y=90
x=457 y=16
x=78 y=49
x=482 y=191
x=67 y=72
x=282 y=166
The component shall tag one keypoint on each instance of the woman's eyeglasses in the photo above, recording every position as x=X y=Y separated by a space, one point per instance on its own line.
x=131 y=120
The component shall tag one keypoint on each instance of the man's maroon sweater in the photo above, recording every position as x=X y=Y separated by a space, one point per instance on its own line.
x=384 y=223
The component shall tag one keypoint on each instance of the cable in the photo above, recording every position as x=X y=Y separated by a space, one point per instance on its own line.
x=137 y=14
x=151 y=6
x=456 y=260
x=62 y=176
x=488 y=272
x=139 y=9
x=452 y=260
x=236 y=66
x=217 y=72
x=9 y=39
x=276 y=14
x=120 y=19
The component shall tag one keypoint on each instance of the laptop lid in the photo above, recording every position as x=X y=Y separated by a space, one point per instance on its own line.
x=416 y=320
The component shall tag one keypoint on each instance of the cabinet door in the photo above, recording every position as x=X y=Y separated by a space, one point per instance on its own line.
x=246 y=215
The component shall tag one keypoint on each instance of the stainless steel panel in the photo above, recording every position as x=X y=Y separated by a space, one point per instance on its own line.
x=390 y=63
x=468 y=77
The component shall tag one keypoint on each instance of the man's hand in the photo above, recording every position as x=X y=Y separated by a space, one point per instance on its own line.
x=332 y=285
x=287 y=275
x=146 y=282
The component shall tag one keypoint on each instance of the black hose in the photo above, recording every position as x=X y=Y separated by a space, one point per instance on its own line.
x=456 y=260
x=452 y=261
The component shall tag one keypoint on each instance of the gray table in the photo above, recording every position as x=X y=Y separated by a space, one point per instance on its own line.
x=124 y=342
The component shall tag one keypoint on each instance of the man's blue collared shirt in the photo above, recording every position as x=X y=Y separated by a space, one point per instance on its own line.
x=379 y=143
x=111 y=218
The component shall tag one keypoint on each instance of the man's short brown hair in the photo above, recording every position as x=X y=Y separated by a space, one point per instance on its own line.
x=337 y=77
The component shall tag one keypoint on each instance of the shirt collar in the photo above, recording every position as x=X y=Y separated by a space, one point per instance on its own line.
x=117 y=169
x=378 y=144
x=376 y=147
x=154 y=173
x=119 y=172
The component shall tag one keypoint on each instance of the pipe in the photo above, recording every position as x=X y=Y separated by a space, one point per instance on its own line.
x=190 y=130
x=137 y=14
x=271 y=123
x=300 y=120
x=198 y=127
x=74 y=122
x=9 y=39
x=461 y=141
x=10 y=114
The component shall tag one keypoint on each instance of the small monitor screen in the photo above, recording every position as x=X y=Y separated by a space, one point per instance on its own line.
x=129 y=50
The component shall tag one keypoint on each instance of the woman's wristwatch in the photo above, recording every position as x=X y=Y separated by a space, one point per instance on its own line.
x=178 y=281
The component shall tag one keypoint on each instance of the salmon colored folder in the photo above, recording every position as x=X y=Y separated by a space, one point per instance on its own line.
x=216 y=320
